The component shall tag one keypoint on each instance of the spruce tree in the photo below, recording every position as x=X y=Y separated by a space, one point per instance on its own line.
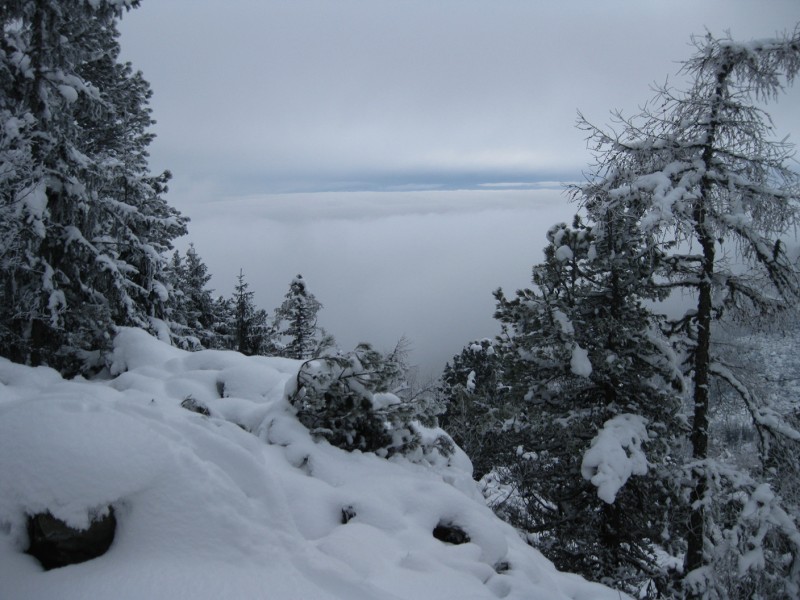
x=200 y=308
x=175 y=275
x=84 y=223
x=250 y=331
x=584 y=358
x=296 y=322
x=191 y=316
x=224 y=324
x=476 y=405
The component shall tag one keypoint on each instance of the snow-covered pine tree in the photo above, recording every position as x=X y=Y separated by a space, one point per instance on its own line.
x=85 y=225
x=224 y=325
x=175 y=274
x=250 y=332
x=475 y=401
x=594 y=387
x=191 y=315
x=296 y=320
x=199 y=303
x=717 y=195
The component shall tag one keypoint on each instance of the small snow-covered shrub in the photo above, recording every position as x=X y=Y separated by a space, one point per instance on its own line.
x=345 y=399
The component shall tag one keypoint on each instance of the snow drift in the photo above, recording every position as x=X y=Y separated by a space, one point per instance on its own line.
x=241 y=503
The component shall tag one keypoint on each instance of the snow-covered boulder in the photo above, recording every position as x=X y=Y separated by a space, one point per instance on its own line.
x=208 y=510
x=56 y=544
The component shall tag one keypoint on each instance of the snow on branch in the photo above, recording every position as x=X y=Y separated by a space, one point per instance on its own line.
x=769 y=254
x=616 y=454
x=759 y=530
x=763 y=416
x=755 y=64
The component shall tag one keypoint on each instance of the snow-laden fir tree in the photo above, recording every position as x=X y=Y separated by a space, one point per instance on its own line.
x=296 y=322
x=84 y=225
x=718 y=197
x=224 y=327
x=475 y=402
x=192 y=316
x=597 y=394
x=251 y=334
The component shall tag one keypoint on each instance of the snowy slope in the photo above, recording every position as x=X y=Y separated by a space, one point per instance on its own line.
x=207 y=510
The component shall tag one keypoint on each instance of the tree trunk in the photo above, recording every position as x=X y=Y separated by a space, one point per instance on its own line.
x=702 y=360
x=702 y=357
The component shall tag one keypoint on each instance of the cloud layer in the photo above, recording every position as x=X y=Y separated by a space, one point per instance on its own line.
x=385 y=265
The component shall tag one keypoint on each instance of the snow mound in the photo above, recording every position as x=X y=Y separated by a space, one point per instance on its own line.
x=241 y=503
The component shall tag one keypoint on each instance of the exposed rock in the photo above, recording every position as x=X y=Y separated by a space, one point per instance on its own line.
x=55 y=544
x=348 y=512
x=194 y=406
x=502 y=567
x=450 y=533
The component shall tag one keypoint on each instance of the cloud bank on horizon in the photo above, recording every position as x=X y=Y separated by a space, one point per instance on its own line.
x=270 y=96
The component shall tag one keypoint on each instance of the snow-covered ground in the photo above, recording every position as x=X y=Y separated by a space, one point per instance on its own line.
x=242 y=504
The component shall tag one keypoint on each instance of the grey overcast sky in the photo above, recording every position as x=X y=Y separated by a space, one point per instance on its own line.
x=403 y=155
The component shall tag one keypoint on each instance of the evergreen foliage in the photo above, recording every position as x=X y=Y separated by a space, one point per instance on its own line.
x=191 y=316
x=296 y=321
x=346 y=399
x=224 y=327
x=581 y=349
x=475 y=402
x=198 y=305
x=250 y=331
x=84 y=225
